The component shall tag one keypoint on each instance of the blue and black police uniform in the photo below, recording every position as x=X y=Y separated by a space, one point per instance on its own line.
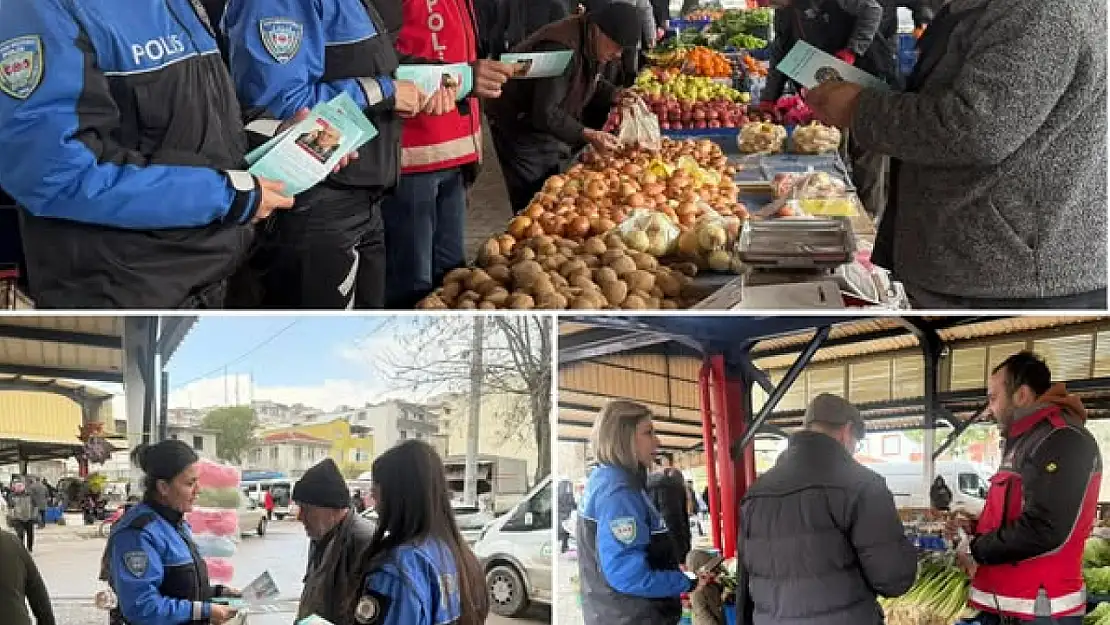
x=288 y=55
x=124 y=145
x=627 y=560
x=411 y=585
x=156 y=571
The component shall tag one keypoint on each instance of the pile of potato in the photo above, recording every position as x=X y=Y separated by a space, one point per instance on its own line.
x=816 y=138
x=553 y=273
x=761 y=138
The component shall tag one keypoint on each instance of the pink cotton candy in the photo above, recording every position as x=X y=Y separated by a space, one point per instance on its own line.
x=214 y=522
x=214 y=475
x=220 y=570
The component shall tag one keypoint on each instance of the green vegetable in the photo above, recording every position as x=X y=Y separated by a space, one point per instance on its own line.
x=938 y=596
x=1096 y=552
x=1099 y=615
x=747 y=42
x=1097 y=580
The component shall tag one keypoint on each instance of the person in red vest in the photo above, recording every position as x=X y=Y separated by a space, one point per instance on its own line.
x=268 y=503
x=425 y=219
x=1025 y=556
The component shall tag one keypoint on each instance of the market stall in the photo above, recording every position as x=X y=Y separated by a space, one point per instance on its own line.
x=708 y=204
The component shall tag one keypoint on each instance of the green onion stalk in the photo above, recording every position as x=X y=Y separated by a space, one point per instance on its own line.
x=938 y=597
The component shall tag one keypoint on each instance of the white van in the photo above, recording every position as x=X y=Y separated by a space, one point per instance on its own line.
x=906 y=481
x=516 y=553
x=280 y=489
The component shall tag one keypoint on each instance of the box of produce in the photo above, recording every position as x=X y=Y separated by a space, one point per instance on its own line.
x=761 y=138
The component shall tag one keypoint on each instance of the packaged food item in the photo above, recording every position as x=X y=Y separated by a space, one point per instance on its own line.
x=215 y=475
x=819 y=194
x=228 y=498
x=214 y=521
x=214 y=546
x=220 y=570
x=649 y=231
x=761 y=138
x=815 y=138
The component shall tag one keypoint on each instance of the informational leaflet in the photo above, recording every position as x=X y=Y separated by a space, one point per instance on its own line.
x=538 y=64
x=811 y=67
x=429 y=78
x=306 y=153
x=262 y=590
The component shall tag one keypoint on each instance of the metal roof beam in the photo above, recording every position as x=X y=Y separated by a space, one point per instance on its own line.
x=172 y=333
x=51 y=335
x=115 y=377
x=800 y=363
x=604 y=342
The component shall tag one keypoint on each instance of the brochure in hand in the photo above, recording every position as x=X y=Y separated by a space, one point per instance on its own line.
x=429 y=78
x=262 y=590
x=306 y=153
x=811 y=67
x=538 y=64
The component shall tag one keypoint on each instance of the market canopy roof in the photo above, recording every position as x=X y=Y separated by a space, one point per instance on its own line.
x=88 y=348
x=656 y=360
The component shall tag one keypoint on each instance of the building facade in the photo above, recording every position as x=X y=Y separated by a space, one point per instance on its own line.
x=351 y=446
x=291 y=453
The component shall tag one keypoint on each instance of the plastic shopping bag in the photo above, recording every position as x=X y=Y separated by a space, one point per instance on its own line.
x=639 y=126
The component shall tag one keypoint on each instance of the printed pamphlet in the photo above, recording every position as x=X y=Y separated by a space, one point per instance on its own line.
x=811 y=67
x=262 y=590
x=429 y=78
x=305 y=154
x=538 y=64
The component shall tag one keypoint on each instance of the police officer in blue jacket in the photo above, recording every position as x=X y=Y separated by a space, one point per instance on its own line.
x=150 y=560
x=122 y=141
x=627 y=560
x=420 y=571
x=287 y=56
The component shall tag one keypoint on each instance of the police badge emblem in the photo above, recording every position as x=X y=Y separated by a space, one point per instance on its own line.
x=624 y=529
x=136 y=562
x=281 y=37
x=21 y=66
x=367 y=610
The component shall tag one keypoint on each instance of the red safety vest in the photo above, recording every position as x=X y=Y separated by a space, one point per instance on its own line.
x=1011 y=589
x=443 y=31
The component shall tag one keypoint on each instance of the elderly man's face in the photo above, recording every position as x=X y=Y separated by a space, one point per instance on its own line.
x=319 y=521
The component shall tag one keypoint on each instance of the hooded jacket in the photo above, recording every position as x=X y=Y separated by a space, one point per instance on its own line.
x=1057 y=468
x=667 y=490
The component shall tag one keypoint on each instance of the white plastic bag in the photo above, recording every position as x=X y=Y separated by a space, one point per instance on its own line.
x=639 y=126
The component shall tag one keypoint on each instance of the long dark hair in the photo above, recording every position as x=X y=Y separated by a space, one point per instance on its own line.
x=414 y=504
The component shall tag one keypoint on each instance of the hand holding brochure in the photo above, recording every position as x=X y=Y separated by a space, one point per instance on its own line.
x=262 y=590
x=429 y=78
x=811 y=67
x=538 y=64
x=306 y=153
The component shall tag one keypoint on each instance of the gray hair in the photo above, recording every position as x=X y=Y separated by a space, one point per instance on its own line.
x=614 y=432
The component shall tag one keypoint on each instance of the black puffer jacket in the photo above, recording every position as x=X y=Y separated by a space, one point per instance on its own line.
x=819 y=539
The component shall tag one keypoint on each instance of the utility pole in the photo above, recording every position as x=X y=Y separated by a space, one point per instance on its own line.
x=470 y=478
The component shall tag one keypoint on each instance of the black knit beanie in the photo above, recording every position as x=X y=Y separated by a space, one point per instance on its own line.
x=620 y=22
x=164 y=460
x=323 y=486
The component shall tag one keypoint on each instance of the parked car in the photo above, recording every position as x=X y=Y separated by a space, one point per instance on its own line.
x=252 y=517
x=470 y=519
x=516 y=553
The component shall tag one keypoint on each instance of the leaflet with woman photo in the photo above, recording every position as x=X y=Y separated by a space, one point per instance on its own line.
x=811 y=67
x=538 y=64
x=305 y=154
x=430 y=78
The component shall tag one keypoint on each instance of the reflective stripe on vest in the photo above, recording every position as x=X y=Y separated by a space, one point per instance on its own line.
x=1011 y=589
x=446 y=153
x=1015 y=606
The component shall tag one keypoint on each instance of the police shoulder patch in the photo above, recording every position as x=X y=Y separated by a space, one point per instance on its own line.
x=281 y=37
x=624 y=529
x=21 y=66
x=136 y=562
x=371 y=609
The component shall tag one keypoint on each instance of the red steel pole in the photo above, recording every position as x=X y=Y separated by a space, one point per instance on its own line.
x=706 y=401
x=728 y=469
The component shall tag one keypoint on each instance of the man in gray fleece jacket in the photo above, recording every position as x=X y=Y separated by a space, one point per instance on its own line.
x=999 y=156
